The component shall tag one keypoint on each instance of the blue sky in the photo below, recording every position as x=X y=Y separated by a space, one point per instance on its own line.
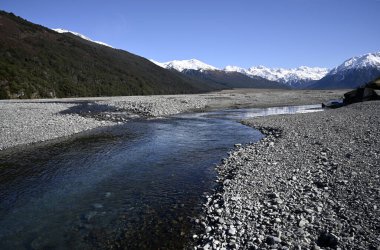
x=274 y=33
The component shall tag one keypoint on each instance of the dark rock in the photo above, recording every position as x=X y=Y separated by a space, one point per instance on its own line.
x=327 y=239
x=271 y=240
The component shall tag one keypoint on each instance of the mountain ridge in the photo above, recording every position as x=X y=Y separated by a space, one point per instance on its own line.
x=201 y=71
x=357 y=62
x=352 y=73
x=295 y=78
x=181 y=65
x=232 y=79
x=37 y=62
x=61 y=31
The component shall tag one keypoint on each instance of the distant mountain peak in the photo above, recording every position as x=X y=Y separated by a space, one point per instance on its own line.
x=352 y=73
x=369 y=60
x=59 y=30
x=181 y=65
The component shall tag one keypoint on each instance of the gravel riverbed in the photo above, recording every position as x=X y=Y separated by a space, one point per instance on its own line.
x=312 y=183
x=31 y=121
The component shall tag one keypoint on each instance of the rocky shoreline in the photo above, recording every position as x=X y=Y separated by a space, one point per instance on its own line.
x=312 y=183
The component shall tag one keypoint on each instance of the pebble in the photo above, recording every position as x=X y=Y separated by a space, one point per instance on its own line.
x=97 y=205
x=302 y=223
x=232 y=231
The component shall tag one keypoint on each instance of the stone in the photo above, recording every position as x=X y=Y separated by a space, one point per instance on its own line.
x=88 y=216
x=232 y=230
x=327 y=239
x=278 y=201
x=97 y=205
x=273 y=195
x=207 y=247
x=302 y=223
x=271 y=240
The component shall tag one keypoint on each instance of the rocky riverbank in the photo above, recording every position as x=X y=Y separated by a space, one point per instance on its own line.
x=313 y=182
x=30 y=121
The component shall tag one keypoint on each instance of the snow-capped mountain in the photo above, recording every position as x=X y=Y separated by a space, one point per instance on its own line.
x=209 y=74
x=352 y=73
x=297 y=77
x=81 y=36
x=181 y=65
x=370 y=60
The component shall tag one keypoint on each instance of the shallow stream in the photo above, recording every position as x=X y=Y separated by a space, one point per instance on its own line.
x=133 y=186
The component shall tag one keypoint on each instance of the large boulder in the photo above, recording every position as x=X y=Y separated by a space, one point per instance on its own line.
x=367 y=92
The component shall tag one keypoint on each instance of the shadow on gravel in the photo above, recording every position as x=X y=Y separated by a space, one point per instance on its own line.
x=100 y=112
x=85 y=108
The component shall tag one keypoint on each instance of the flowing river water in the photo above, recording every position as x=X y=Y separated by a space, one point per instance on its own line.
x=132 y=186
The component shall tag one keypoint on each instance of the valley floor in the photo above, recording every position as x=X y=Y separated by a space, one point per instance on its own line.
x=30 y=121
x=313 y=182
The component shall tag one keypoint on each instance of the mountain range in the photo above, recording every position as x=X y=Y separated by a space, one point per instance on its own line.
x=350 y=74
x=37 y=62
x=300 y=77
x=201 y=71
x=287 y=78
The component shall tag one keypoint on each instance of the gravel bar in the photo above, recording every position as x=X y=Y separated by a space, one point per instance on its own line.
x=312 y=183
x=31 y=121
x=25 y=123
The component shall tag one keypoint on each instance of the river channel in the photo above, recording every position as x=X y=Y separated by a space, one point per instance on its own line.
x=135 y=186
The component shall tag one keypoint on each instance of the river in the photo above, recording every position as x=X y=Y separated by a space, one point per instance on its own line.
x=136 y=185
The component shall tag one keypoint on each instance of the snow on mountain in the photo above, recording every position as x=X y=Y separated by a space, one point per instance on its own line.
x=296 y=77
x=181 y=65
x=370 y=60
x=352 y=73
x=162 y=65
x=81 y=36
x=236 y=69
x=292 y=77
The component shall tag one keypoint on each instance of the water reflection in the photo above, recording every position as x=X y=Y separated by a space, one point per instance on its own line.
x=241 y=114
